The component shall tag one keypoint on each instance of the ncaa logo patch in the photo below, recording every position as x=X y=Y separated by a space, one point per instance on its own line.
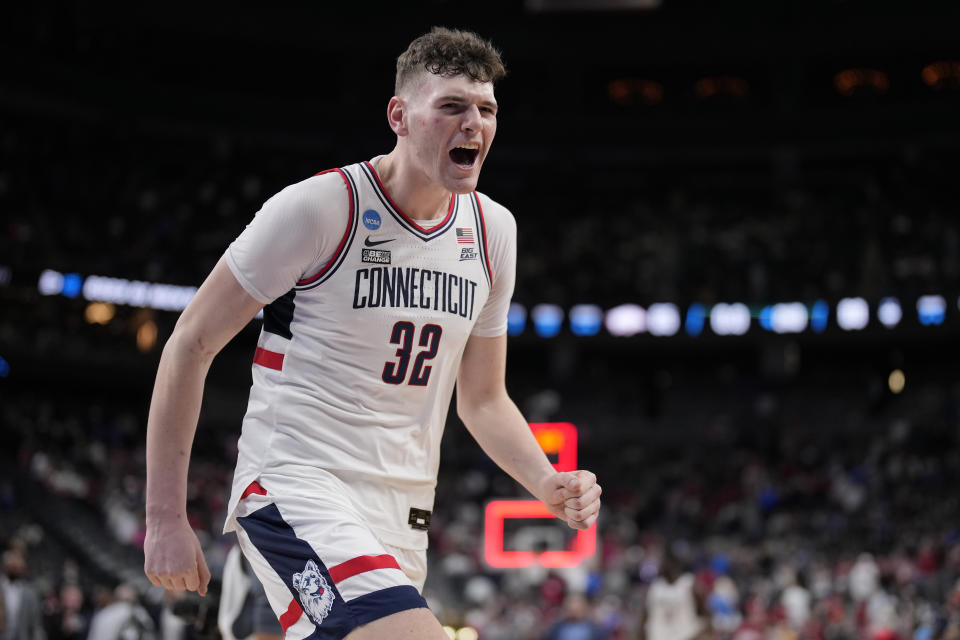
x=371 y=219
x=316 y=596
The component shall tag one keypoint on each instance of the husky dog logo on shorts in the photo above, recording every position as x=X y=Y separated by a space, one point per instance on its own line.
x=315 y=593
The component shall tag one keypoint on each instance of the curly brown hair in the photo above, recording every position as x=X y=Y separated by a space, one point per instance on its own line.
x=450 y=52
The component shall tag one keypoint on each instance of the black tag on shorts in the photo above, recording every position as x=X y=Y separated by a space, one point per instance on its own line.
x=419 y=519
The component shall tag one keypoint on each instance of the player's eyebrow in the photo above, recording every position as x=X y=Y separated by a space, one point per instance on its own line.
x=483 y=103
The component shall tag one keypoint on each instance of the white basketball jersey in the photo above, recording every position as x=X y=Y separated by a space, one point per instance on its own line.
x=672 y=609
x=358 y=357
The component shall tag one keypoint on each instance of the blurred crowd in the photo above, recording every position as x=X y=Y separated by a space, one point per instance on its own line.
x=736 y=508
x=819 y=510
x=119 y=201
x=792 y=503
x=803 y=511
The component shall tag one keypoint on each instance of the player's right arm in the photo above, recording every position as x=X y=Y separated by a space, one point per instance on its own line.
x=221 y=308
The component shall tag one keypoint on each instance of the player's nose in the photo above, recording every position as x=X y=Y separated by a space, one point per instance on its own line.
x=472 y=120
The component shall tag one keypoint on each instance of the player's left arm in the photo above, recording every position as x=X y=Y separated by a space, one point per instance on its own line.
x=501 y=430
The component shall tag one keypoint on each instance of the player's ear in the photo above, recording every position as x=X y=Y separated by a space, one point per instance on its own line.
x=397 y=116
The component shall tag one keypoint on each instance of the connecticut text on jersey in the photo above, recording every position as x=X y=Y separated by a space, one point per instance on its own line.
x=414 y=288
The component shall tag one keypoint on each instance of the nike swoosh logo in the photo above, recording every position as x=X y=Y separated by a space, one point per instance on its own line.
x=373 y=243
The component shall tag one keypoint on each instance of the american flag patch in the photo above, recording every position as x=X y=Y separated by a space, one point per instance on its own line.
x=464 y=236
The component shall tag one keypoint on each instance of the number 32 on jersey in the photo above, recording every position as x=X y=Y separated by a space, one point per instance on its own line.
x=395 y=372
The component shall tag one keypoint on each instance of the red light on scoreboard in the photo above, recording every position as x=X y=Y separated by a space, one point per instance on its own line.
x=584 y=544
x=560 y=439
x=555 y=438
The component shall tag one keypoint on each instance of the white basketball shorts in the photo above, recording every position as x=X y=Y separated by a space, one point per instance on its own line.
x=324 y=571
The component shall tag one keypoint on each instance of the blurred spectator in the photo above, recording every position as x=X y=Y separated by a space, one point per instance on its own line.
x=796 y=602
x=22 y=618
x=233 y=616
x=72 y=622
x=244 y=612
x=124 y=618
x=724 y=604
x=672 y=611
x=576 y=623
x=864 y=577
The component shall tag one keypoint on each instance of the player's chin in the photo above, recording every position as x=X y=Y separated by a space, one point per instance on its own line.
x=463 y=179
x=463 y=185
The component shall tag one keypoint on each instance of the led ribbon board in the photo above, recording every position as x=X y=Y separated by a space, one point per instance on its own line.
x=555 y=438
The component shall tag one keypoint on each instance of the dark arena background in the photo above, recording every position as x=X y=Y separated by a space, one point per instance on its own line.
x=738 y=279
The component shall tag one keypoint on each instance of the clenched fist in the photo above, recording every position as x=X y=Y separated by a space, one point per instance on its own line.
x=173 y=558
x=572 y=496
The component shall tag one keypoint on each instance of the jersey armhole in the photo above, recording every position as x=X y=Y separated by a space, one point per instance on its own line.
x=337 y=258
x=482 y=229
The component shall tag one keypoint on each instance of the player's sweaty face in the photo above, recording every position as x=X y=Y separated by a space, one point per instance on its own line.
x=452 y=122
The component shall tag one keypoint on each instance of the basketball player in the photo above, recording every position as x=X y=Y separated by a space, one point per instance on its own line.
x=673 y=604
x=382 y=283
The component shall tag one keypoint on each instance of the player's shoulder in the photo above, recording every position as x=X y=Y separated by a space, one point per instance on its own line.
x=322 y=184
x=495 y=215
x=323 y=192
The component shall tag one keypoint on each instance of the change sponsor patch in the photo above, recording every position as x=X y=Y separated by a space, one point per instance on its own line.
x=377 y=256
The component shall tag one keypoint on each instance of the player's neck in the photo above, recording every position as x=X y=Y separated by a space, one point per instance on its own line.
x=415 y=194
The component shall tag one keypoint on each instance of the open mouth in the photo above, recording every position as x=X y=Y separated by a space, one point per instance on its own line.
x=465 y=155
